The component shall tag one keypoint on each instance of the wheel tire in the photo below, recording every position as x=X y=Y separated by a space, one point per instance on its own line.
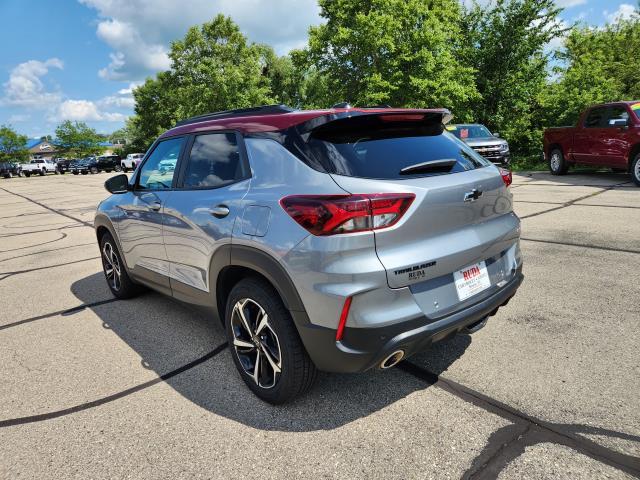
x=118 y=168
x=635 y=170
x=9 y=175
x=75 y=173
x=120 y=284
x=20 y=174
x=125 y=169
x=42 y=173
x=27 y=174
x=557 y=163
x=56 y=171
x=297 y=371
x=94 y=170
x=61 y=172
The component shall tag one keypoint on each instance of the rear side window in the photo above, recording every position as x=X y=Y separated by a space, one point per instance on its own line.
x=214 y=161
x=383 y=147
x=594 y=118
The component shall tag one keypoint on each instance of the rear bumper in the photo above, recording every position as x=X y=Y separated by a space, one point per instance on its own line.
x=364 y=348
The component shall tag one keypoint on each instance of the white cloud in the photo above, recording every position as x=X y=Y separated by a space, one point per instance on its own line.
x=570 y=3
x=25 y=88
x=84 y=111
x=624 y=12
x=140 y=31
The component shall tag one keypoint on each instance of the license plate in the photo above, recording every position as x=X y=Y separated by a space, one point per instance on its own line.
x=471 y=280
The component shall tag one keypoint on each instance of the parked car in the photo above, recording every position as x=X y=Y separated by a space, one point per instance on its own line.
x=340 y=240
x=487 y=144
x=10 y=169
x=606 y=135
x=81 y=166
x=40 y=167
x=131 y=161
x=64 y=165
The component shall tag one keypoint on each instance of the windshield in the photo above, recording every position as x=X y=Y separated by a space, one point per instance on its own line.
x=372 y=147
x=469 y=131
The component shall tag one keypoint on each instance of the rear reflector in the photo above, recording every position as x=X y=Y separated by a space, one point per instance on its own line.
x=507 y=177
x=333 y=214
x=343 y=319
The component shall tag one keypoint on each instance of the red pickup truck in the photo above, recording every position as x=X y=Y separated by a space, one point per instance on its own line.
x=606 y=135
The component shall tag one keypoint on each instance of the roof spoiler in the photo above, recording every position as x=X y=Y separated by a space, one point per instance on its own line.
x=435 y=115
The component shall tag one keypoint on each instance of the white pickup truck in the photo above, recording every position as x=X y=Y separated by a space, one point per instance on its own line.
x=39 y=167
x=132 y=161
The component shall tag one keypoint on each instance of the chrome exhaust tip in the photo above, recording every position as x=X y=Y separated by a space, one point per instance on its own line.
x=392 y=360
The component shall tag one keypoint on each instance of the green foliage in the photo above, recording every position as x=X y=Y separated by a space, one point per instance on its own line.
x=398 y=52
x=77 y=139
x=490 y=63
x=597 y=65
x=505 y=44
x=12 y=145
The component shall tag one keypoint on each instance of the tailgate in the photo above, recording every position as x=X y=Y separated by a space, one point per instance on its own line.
x=441 y=232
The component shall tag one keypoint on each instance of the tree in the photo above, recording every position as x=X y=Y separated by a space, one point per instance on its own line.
x=398 y=52
x=213 y=68
x=596 y=65
x=13 y=146
x=77 y=139
x=506 y=43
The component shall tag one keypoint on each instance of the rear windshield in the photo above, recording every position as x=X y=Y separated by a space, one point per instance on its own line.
x=385 y=147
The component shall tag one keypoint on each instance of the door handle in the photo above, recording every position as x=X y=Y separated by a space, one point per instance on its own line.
x=220 y=211
x=155 y=206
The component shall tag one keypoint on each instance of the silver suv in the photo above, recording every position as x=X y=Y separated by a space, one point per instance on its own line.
x=339 y=240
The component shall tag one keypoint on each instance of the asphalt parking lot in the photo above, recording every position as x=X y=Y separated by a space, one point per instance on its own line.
x=92 y=387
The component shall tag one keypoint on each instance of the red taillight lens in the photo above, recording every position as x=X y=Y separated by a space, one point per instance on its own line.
x=507 y=177
x=333 y=214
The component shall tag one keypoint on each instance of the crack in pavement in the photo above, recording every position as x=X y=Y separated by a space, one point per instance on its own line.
x=580 y=245
x=546 y=432
x=110 y=398
x=571 y=202
x=63 y=313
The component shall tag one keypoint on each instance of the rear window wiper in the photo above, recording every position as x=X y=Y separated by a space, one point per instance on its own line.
x=443 y=165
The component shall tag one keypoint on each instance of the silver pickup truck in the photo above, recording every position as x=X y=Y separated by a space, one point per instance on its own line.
x=39 y=167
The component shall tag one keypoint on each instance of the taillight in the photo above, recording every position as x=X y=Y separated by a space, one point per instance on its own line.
x=333 y=214
x=507 y=177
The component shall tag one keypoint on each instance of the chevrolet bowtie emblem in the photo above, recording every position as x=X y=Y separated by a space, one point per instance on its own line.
x=473 y=195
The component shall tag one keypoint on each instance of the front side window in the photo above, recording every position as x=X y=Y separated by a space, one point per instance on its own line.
x=594 y=118
x=616 y=115
x=214 y=161
x=158 y=171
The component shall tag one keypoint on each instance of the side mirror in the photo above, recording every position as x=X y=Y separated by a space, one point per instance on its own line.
x=117 y=184
x=619 y=122
x=496 y=134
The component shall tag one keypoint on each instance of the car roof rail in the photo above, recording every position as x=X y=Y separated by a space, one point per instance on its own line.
x=240 y=112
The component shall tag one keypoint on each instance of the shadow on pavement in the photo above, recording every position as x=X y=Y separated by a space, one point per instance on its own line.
x=168 y=334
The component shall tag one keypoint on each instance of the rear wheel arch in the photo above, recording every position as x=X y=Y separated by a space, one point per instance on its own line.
x=245 y=262
x=633 y=153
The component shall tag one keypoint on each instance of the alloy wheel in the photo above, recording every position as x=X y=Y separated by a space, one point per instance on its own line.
x=255 y=343
x=555 y=162
x=636 y=171
x=111 y=265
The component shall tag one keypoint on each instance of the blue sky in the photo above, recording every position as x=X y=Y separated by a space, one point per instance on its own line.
x=79 y=59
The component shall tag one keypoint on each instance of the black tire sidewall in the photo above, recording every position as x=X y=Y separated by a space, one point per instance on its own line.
x=562 y=167
x=281 y=322
x=634 y=169
x=128 y=289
